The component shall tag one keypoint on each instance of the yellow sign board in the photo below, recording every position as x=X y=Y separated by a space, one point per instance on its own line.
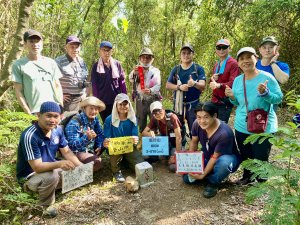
x=120 y=145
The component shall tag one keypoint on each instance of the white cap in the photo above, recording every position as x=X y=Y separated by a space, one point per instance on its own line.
x=155 y=105
x=121 y=98
x=245 y=49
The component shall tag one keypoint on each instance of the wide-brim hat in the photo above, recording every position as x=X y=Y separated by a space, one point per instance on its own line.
x=146 y=51
x=92 y=101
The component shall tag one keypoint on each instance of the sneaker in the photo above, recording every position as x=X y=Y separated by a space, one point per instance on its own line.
x=118 y=176
x=50 y=212
x=210 y=191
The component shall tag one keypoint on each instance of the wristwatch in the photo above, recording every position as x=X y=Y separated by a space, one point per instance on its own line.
x=178 y=87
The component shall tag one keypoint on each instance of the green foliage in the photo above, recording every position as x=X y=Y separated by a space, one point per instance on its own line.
x=281 y=191
x=11 y=126
x=12 y=197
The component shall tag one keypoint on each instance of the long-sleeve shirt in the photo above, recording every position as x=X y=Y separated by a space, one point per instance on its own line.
x=152 y=80
x=230 y=73
x=104 y=86
x=255 y=101
x=76 y=134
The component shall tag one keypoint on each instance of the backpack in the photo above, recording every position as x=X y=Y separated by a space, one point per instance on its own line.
x=170 y=126
x=176 y=75
x=67 y=119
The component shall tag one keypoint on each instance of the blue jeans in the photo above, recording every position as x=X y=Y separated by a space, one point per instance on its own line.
x=225 y=165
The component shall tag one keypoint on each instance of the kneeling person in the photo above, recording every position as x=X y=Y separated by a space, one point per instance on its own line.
x=37 y=168
x=84 y=132
x=122 y=123
x=164 y=124
x=218 y=145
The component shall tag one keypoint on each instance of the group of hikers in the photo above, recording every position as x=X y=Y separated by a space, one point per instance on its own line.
x=51 y=88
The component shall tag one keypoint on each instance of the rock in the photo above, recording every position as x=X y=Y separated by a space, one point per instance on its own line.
x=131 y=184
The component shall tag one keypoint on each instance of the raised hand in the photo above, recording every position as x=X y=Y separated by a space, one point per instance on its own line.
x=191 y=82
x=262 y=87
x=213 y=84
x=90 y=133
x=135 y=139
x=229 y=92
x=215 y=76
x=106 y=142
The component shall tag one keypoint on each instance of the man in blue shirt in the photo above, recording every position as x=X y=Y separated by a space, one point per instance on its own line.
x=221 y=156
x=187 y=80
x=37 y=168
x=269 y=50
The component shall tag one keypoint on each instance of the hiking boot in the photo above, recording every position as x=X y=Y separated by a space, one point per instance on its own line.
x=118 y=176
x=210 y=190
x=50 y=212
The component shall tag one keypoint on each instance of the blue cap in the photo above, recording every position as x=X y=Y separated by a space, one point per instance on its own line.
x=50 y=107
x=106 y=44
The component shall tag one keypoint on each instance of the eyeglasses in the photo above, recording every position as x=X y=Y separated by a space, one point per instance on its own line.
x=156 y=112
x=224 y=47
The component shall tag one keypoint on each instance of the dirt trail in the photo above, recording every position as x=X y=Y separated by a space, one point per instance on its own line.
x=167 y=201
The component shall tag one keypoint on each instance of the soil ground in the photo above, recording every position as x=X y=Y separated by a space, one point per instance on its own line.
x=166 y=202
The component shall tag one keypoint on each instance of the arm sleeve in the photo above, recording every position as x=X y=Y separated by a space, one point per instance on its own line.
x=77 y=142
x=275 y=95
x=134 y=130
x=156 y=88
x=201 y=73
x=107 y=128
x=100 y=135
x=233 y=73
x=16 y=74
x=171 y=76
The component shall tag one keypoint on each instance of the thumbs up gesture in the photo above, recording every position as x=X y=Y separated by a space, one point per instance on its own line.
x=262 y=87
x=191 y=82
x=213 y=84
x=229 y=92
x=90 y=133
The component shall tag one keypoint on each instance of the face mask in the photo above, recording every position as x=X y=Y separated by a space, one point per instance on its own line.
x=145 y=65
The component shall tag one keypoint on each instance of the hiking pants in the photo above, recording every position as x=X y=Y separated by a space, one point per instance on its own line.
x=45 y=184
x=131 y=158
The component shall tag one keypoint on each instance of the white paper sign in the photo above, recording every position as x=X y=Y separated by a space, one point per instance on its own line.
x=78 y=177
x=189 y=162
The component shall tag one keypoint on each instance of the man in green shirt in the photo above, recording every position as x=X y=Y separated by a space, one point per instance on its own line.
x=36 y=77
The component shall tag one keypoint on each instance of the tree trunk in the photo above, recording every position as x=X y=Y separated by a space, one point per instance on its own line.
x=16 y=50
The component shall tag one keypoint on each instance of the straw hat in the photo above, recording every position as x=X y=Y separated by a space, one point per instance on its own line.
x=92 y=101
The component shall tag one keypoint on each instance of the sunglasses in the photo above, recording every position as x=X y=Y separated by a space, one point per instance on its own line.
x=224 y=47
x=156 y=111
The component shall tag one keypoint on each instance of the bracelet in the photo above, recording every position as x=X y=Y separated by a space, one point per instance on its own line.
x=178 y=87
x=271 y=63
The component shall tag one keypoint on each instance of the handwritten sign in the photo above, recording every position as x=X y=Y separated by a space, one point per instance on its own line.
x=78 y=177
x=120 y=145
x=189 y=162
x=158 y=145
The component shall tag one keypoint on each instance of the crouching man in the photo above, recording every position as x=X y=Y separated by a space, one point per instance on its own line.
x=164 y=124
x=37 y=168
x=221 y=156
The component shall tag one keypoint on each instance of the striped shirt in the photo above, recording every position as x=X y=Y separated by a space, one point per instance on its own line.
x=35 y=145
x=74 y=73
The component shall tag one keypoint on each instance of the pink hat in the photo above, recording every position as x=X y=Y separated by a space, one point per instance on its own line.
x=223 y=42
